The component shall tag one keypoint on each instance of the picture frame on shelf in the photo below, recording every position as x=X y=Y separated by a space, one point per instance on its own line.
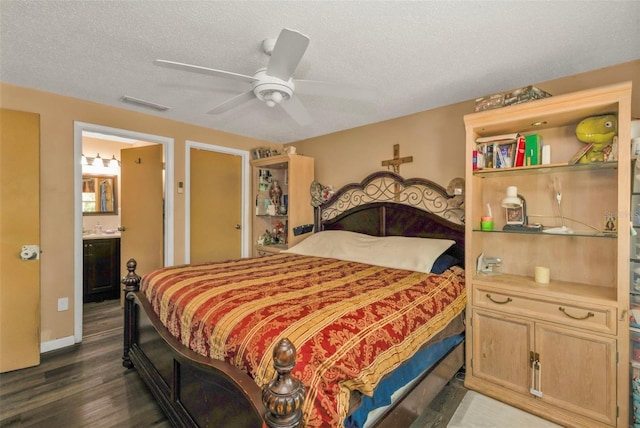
x=579 y=154
x=515 y=215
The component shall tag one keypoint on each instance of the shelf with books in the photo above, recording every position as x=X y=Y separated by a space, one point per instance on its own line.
x=545 y=169
x=582 y=308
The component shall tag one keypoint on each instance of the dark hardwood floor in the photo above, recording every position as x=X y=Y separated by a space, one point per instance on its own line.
x=85 y=385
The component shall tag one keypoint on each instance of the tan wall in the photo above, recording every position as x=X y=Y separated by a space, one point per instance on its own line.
x=434 y=138
x=57 y=116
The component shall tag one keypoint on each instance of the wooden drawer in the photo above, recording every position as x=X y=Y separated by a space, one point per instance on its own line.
x=579 y=314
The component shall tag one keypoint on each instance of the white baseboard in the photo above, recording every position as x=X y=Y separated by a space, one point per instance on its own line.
x=52 y=345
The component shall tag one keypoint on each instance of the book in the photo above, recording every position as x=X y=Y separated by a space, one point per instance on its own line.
x=505 y=153
x=579 y=154
x=489 y=156
x=501 y=158
x=520 y=152
x=533 y=149
x=482 y=163
x=499 y=138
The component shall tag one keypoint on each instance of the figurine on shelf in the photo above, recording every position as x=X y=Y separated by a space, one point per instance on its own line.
x=599 y=132
x=320 y=193
x=278 y=232
x=275 y=193
x=266 y=239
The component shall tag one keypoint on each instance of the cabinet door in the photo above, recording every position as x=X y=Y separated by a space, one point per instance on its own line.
x=101 y=269
x=500 y=349
x=578 y=371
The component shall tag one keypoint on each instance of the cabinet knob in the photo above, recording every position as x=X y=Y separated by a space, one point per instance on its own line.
x=238 y=227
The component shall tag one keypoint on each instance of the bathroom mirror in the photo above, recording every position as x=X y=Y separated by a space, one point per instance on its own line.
x=99 y=194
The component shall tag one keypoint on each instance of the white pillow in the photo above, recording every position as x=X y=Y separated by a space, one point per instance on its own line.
x=399 y=252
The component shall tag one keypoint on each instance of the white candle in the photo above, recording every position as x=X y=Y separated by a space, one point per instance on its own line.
x=542 y=274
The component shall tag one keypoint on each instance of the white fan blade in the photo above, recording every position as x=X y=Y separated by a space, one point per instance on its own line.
x=317 y=87
x=233 y=102
x=204 y=70
x=287 y=53
x=294 y=107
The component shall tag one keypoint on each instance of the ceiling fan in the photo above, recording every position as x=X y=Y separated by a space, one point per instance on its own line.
x=273 y=84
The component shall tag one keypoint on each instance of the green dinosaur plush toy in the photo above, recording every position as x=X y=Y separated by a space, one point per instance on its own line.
x=599 y=131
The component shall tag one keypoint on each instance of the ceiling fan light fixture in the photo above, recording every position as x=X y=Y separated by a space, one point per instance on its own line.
x=273 y=97
x=276 y=97
x=270 y=89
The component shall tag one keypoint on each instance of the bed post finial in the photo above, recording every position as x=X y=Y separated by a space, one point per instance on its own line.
x=131 y=283
x=283 y=396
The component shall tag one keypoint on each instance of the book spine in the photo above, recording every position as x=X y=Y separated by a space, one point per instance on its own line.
x=501 y=159
x=533 y=148
x=489 y=156
x=520 y=149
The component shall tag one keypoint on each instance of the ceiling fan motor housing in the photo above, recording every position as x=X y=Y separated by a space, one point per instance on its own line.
x=270 y=89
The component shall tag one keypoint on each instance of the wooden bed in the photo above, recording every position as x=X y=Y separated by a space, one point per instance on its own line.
x=194 y=390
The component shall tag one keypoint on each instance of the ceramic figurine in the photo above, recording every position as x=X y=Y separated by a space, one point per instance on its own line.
x=599 y=131
x=275 y=193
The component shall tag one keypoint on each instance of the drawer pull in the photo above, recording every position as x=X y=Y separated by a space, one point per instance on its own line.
x=498 y=302
x=564 y=311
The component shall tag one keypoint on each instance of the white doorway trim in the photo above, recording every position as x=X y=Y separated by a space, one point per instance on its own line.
x=244 y=154
x=167 y=143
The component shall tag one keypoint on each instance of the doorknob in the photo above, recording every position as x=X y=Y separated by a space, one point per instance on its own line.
x=238 y=227
x=30 y=252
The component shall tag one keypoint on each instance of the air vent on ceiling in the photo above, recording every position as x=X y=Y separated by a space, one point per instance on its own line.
x=143 y=103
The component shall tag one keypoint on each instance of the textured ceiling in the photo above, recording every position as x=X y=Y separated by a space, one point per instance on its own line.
x=412 y=56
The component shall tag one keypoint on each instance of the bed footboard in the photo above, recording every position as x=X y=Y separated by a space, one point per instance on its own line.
x=195 y=391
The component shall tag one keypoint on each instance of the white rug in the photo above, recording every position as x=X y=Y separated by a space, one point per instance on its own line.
x=477 y=410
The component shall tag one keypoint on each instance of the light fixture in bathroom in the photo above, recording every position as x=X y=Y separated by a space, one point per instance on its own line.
x=100 y=162
x=114 y=163
x=97 y=161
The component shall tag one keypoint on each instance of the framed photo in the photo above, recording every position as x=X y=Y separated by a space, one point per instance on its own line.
x=515 y=215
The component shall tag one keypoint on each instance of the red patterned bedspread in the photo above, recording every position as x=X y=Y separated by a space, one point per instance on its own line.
x=351 y=323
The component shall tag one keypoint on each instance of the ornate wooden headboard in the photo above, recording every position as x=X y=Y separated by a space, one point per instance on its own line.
x=385 y=204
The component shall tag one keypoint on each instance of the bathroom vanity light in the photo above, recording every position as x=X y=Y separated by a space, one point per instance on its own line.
x=97 y=161
x=100 y=162
x=114 y=163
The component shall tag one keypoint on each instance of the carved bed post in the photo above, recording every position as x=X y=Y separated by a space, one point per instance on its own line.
x=131 y=283
x=284 y=395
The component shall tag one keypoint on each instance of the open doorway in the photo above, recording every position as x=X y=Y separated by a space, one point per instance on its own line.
x=85 y=130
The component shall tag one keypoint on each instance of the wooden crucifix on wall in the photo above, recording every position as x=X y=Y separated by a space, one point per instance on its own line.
x=397 y=160
x=395 y=163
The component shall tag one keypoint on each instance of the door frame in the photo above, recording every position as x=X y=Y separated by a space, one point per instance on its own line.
x=168 y=147
x=244 y=154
